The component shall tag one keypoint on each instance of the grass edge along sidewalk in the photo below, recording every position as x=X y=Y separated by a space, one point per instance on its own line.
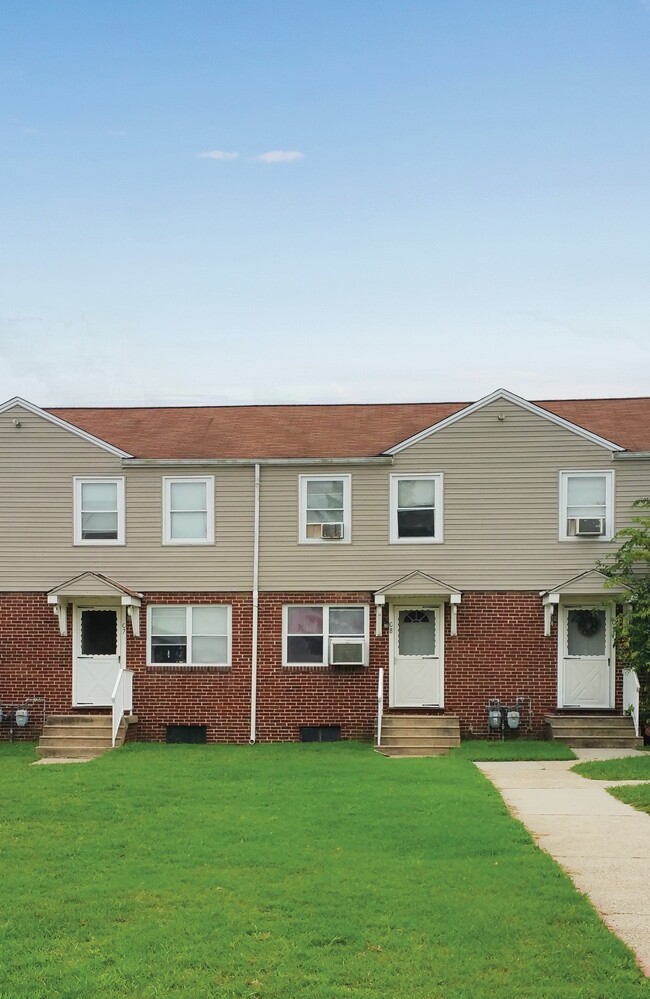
x=284 y=871
x=626 y=768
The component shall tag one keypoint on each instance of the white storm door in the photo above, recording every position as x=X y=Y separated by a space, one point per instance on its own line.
x=586 y=658
x=98 y=640
x=416 y=663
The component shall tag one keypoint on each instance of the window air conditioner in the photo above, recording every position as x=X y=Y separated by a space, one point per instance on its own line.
x=331 y=532
x=347 y=652
x=586 y=527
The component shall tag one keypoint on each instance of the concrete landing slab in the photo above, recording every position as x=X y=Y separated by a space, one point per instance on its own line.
x=62 y=759
x=603 y=844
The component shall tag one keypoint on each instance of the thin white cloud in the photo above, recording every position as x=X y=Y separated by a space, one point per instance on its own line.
x=217 y=154
x=280 y=156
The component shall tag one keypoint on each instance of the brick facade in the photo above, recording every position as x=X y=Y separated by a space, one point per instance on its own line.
x=500 y=651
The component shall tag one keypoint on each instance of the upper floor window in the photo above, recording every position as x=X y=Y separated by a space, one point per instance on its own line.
x=325 y=509
x=190 y=636
x=99 y=511
x=317 y=636
x=587 y=505
x=416 y=508
x=188 y=510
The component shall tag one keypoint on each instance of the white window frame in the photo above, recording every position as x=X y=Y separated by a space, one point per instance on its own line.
x=78 y=482
x=608 y=476
x=189 y=608
x=303 y=480
x=437 y=479
x=167 y=482
x=326 y=608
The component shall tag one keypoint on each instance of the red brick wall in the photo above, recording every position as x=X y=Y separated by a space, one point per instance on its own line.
x=194 y=695
x=500 y=651
x=35 y=661
x=289 y=697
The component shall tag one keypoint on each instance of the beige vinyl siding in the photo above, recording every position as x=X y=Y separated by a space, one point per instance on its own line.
x=501 y=511
x=37 y=464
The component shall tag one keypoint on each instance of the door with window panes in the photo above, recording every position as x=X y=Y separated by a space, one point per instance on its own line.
x=99 y=642
x=586 y=657
x=416 y=674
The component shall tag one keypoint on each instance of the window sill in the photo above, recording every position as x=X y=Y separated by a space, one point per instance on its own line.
x=323 y=668
x=186 y=544
x=78 y=543
x=186 y=668
x=416 y=541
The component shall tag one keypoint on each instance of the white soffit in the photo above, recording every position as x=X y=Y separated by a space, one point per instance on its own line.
x=517 y=401
x=63 y=424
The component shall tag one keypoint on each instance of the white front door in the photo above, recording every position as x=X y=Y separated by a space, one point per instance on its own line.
x=586 y=663
x=416 y=676
x=98 y=651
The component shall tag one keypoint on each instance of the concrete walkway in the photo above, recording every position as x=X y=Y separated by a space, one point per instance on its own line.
x=601 y=843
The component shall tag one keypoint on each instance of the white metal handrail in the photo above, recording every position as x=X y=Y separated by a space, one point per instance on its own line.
x=631 y=687
x=380 y=705
x=121 y=699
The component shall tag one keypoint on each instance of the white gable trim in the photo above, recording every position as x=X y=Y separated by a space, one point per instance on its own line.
x=63 y=424
x=517 y=401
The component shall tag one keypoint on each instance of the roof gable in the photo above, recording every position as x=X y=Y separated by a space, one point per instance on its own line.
x=92 y=584
x=63 y=425
x=418 y=583
x=503 y=394
x=592 y=581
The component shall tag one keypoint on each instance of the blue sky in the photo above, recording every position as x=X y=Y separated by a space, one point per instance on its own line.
x=459 y=200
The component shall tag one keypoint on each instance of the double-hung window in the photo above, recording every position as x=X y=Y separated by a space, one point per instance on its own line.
x=99 y=510
x=320 y=635
x=587 y=505
x=324 y=509
x=188 y=510
x=191 y=636
x=416 y=508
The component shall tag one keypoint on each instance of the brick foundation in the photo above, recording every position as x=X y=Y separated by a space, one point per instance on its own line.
x=500 y=651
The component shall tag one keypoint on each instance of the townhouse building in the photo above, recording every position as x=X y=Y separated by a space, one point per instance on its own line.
x=244 y=573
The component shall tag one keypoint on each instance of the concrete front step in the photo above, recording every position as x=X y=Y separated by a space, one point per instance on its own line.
x=586 y=731
x=48 y=741
x=78 y=736
x=79 y=719
x=418 y=735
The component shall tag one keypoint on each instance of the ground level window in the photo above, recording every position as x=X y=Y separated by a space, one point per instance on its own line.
x=310 y=631
x=192 y=636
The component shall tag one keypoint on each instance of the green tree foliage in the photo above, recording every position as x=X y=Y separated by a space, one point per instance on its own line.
x=630 y=566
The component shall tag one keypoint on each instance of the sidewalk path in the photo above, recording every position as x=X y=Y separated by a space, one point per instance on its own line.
x=603 y=844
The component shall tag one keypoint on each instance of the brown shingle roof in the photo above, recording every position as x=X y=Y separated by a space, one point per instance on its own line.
x=320 y=431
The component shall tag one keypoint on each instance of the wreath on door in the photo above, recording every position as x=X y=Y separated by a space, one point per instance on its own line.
x=588 y=622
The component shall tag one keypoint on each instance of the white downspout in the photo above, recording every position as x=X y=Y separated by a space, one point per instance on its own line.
x=256 y=574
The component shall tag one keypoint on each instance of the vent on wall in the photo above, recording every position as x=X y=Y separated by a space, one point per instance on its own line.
x=194 y=734
x=320 y=733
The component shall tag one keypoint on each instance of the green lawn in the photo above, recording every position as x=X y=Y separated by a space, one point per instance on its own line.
x=491 y=750
x=284 y=871
x=625 y=768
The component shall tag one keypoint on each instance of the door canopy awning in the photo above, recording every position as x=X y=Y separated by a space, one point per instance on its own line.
x=418 y=585
x=592 y=583
x=97 y=586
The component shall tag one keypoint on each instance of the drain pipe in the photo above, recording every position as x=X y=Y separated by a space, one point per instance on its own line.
x=256 y=574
